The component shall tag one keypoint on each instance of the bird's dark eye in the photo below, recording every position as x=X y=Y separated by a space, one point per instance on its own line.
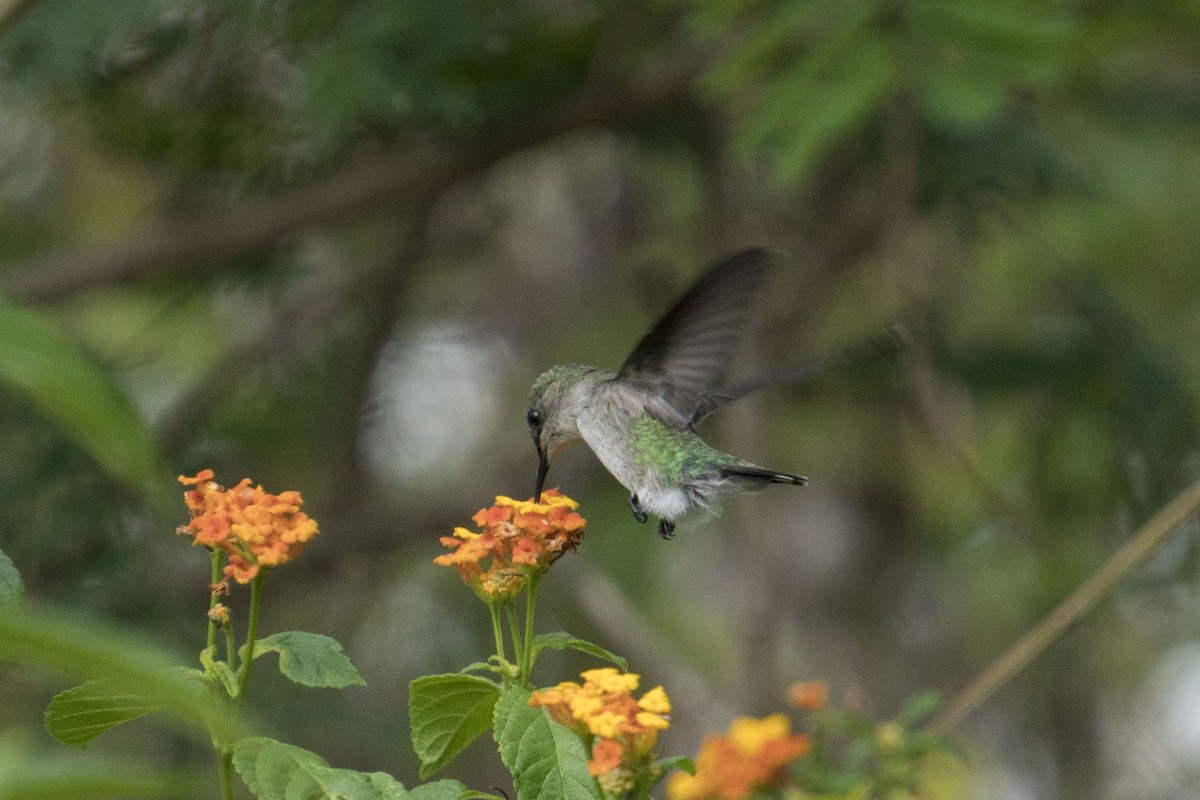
x=534 y=418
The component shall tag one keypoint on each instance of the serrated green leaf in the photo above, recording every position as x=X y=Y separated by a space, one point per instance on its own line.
x=12 y=592
x=388 y=787
x=561 y=640
x=276 y=771
x=37 y=357
x=78 y=715
x=352 y=785
x=545 y=759
x=268 y=766
x=439 y=790
x=311 y=659
x=447 y=713
x=245 y=757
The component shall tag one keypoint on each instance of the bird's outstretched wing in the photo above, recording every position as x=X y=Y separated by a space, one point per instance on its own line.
x=680 y=360
x=876 y=346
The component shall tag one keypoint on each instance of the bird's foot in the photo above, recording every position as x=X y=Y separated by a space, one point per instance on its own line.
x=639 y=513
x=666 y=528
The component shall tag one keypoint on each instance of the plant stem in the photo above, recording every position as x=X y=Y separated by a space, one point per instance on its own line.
x=1068 y=611
x=497 y=631
x=251 y=633
x=230 y=648
x=217 y=557
x=514 y=630
x=527 y=653
x=225 y=772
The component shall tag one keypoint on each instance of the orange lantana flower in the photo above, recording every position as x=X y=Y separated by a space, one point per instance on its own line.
x=517 y=539
x=753 y=756
x=808 y=695
x=602 y=710
x=256 y=529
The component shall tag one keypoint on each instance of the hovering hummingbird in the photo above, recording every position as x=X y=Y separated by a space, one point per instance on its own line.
x=640 y=420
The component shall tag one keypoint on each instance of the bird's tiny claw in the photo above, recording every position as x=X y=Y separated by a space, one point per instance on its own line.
x=639 y=513
x=666 y=528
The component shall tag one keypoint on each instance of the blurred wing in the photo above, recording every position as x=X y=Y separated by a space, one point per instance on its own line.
x=880 y=345
x=687 y=352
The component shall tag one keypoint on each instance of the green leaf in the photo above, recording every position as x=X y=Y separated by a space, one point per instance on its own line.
x=37 y=357
x=311 y=659
x=447 y=713
x=561 y=640
x=352 y=785
x=918 y=707
x=91 y=649
x=277 y=771
x=479 y=666
x=545 y=759
x=439 y=790
x=78 y=715
x=245 y=761
x=75 y=775
x=996 y=30
x=12 y=592
x=806 y=111
x=962 y=96
x=682 y=763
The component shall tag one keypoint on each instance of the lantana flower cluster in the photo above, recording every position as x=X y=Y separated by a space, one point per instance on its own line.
x=256 y=529
x=753 y=756
x=809 y=696
x=622 y=731
x=517 y=539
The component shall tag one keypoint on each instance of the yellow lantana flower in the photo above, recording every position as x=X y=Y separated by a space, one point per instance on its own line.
x=752 y=757
x=517 y=539
x=621 y=730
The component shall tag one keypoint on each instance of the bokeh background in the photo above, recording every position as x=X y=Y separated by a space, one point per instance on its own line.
x=329 y=245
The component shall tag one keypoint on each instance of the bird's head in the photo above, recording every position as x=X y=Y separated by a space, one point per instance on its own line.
x=554 y=402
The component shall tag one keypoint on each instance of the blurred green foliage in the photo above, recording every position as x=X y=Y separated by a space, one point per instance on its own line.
x=329 y=244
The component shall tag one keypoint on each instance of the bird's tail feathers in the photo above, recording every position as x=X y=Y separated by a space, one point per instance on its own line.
x=769 y=475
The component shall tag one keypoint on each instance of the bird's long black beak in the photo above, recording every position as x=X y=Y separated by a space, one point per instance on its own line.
x=543 y=468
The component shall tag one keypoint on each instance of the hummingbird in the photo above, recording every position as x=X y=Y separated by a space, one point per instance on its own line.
x=640 y=420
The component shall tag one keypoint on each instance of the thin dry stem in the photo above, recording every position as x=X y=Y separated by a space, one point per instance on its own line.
x=1069 y=611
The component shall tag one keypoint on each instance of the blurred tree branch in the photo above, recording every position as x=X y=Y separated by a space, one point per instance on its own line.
x=372 y=184
x=1069 y=611
x=380 y=296
x=292 y=325
x=12 y=10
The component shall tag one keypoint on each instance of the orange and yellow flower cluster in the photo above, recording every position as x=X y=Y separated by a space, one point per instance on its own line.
x=518 y=538
x=257 y=530
x=752 y=757
x=808 y=696
x=622 y=731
